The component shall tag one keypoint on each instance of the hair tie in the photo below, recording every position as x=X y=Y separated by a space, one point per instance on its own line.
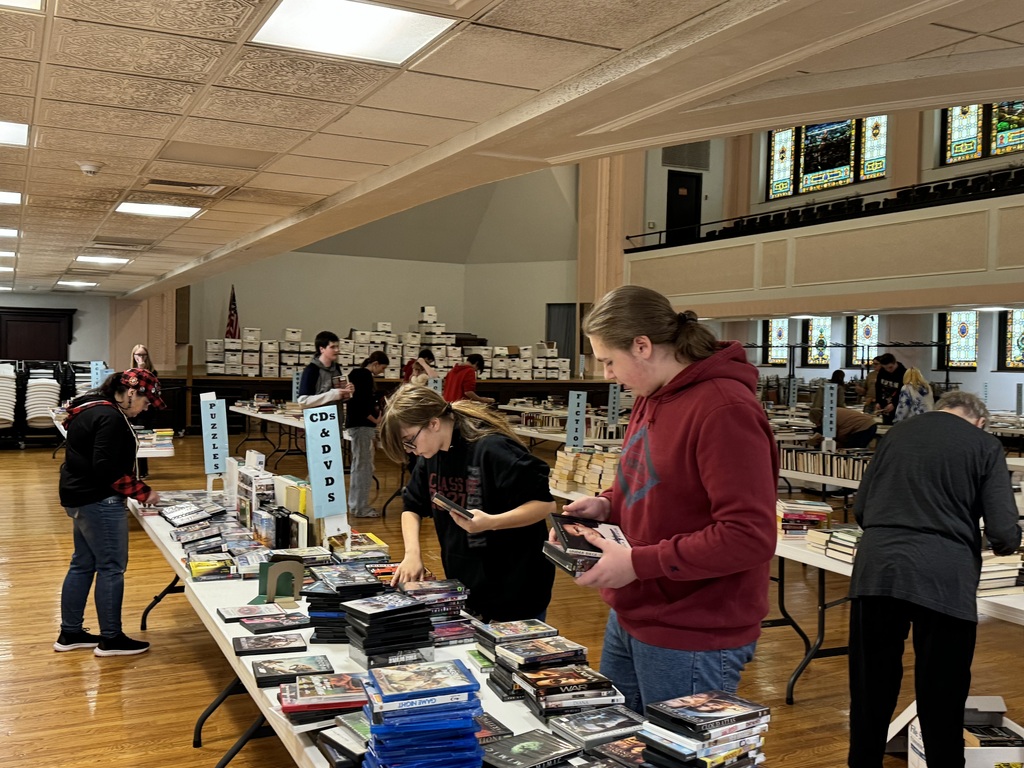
x=684 y=318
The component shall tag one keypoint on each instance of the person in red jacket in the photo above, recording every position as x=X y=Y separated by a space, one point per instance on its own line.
x=695 y=496
x=460 y=383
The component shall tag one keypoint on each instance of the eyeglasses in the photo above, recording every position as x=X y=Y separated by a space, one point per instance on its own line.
x=410 y=444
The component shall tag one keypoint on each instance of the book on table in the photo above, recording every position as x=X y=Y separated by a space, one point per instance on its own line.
x=407 y=681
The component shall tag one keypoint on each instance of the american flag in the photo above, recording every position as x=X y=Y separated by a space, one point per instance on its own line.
x=232 y=331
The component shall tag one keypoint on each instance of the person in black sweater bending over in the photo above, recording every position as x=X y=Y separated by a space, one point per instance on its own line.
x=99 y=472
x=888 y=386
x=471 y=456
x=361 y=418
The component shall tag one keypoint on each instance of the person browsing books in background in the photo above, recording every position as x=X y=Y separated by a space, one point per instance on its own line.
x=99 y=472
x=867 y=389
x=421 y=370
x=361 y=419
x=460 y=383
x=918 y=564
x=470 y=455
x=695 y=496
x=915 y=398
x=140 y=359
x=854 y=429
x=322 y=381
x=888 y=386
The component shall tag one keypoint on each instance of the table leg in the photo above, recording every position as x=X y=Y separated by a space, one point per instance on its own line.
x=257 y=730
x=816 y=651
x=171 y=589
x=233 y=688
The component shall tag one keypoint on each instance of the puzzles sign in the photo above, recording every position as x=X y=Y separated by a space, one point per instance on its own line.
x=215 y=433
x=323 y=454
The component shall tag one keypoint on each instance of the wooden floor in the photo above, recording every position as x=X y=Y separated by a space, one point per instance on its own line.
x=73 y=709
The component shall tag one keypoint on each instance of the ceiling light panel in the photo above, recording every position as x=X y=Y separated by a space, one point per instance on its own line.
x=103 y=260
x=153 y=209
x=77 y=284
x=6 y=288
x=6 y=269
x=353 y=30
x=6 y=254
x=14 y=133
x=8 y=232
x=32 y=5
x=10 y=198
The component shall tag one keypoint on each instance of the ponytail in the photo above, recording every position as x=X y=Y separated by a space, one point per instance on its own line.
x=376 y=357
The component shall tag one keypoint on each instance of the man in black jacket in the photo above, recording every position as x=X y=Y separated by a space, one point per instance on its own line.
x=888 y=385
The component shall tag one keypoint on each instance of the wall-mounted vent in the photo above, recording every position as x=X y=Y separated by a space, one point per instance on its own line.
x=696 y=156
x=121 y=244
x=187 y=187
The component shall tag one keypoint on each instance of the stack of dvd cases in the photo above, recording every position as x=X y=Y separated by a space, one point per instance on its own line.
x=564 y=690
x=490 y=636
x=317 y=698
x=422 y=716
x=334 y=584
x=446 y=598
x=390 y=628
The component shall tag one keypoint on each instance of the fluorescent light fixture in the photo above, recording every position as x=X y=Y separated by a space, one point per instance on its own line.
x=992 y=309
x=103 y=259
x=10 y=198
x=153 y=209
x=802 y=317
x=7 y=254
x=6 y=288
x=14 y=133
x=32 y=5
x=351 y=29
x=77 y=283
x=6 y=269
x=8 y=232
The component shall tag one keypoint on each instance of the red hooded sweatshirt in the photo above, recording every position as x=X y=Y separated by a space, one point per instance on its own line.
x=695 y=494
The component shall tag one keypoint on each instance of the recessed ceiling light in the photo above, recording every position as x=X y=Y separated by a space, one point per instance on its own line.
x=34 y=5
x=7 y=254
x=351 y=29
x=10 y=198
x=14 y=133
x=8 y=232
x=802 y=317
x=992 y=309
x=103 y=259
x=153 y=209
x=77 y=283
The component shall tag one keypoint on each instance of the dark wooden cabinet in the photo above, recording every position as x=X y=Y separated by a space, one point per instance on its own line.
x=35 y=334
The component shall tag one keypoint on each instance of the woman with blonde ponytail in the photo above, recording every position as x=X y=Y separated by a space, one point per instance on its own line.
x=470 y=455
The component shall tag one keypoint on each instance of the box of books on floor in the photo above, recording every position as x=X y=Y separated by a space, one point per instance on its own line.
x=984 y=746
x=424 y=715
x=710 y=728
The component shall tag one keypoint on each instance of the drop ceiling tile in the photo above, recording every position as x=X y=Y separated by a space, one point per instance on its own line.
x=117 y=90
x=77 y=178
x=897 y=43
x=42 y=202
x=10 y=172
x=63 y=214
x=274 y=197
x=21 y=35
x=199 y=174
x=318 y=167
x=61 y=114
x=104 y=143
x=285 y=183
x=447 y=97
x=265 y=109
x=211 y=154
x=13 y=185
x=222 y=226
x=166 y=198
x=108 y=194
x=205 y=237
x=985 y=16
x=48 y=158
x=252 y=219
x=397 y=126
x=13 y=155
x=96 y=46
x=261 y=209
x=214 y=19
x=1014 y=32
x=15 y=109
x=510 y=58
x=9 y=217
x=354 y=148
x=221 y=132
x=18 y=78
x=296 y=74
x=611 y=23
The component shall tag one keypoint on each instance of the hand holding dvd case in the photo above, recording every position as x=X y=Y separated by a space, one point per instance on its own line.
x=569 y=530
x=443 y=502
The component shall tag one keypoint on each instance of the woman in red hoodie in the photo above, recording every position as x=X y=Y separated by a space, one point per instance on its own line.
x=695 y=495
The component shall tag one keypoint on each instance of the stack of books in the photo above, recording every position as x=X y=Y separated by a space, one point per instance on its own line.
x=564 y=690
x=316 y=698
x=532 y=749
x=817 y=538
x=388 y=629
x=598 y=726
x=567 y=461
x=423 y=714
x=572 y=552
x=490 y=636
x=796 y=517
x=1000 y=575
x=846 y=464
x=335 y=584
x=712 y=728
x=842 y=544
x=599 y=473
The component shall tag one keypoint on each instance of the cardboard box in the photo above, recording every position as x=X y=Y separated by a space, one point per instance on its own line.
x=250 y=358
x=975 y=757
x=250 y=345
x=292 y=334
x=289 y=358
x=382 y=327
x=362 y=351
x=500 y=351
x=232 y=345
x=345 y=345
x=270 y=345
x=233 y=358
x=288 y=346
x=270 y=358
x=270 y=371
x=232 y=370
x=215 y=369
x=251 y=370
x=251 y=334
x=411 y=338
x=288 y=371
x=361 y=337
x=307 y=346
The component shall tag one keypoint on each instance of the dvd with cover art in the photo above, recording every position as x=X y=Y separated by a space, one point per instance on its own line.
x=256 y=645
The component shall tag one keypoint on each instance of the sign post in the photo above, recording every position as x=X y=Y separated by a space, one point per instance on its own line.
x=215 y=437
x=614 y=405
x=326 y=472
x=575 y=424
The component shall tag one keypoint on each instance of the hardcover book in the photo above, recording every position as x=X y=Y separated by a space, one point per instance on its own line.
x=267 y=644
x=569 y=530
x=533 y=749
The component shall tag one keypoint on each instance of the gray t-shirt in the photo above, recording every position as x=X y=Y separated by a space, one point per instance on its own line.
x=933 y=478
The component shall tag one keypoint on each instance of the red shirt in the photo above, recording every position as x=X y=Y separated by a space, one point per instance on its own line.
x=460 y=380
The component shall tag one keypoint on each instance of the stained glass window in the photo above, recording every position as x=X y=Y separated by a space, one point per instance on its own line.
x=826 y=156
x=781 y=164
x=865 y=339
x=1007 y=127
x=819 y=337
x=962 y=339
x=1013 y=351
x=872 y=148
x=778 y=341
x=963 y=133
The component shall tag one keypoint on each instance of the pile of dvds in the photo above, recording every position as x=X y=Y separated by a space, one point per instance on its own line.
x=269 y=672
x=597 y=726
x=384 y=570
x=572 y=552
x=308 y=555
x=185 y=513
x=366 y=557
x=714 y=727
x=532 y=749
x=445 y=598
x=490 y=636
x=423 y=714
x=314 y=698
x=261 y=625
x=344 y=745
x=389 y=628
x=334 y=584
x=551 y=691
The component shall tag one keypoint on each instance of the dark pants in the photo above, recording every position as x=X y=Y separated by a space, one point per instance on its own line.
x=861 y=439
x=943 y=651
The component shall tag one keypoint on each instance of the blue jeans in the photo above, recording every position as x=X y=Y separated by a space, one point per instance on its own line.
x=101 y=549
x=361 y=474
x=646 y=673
